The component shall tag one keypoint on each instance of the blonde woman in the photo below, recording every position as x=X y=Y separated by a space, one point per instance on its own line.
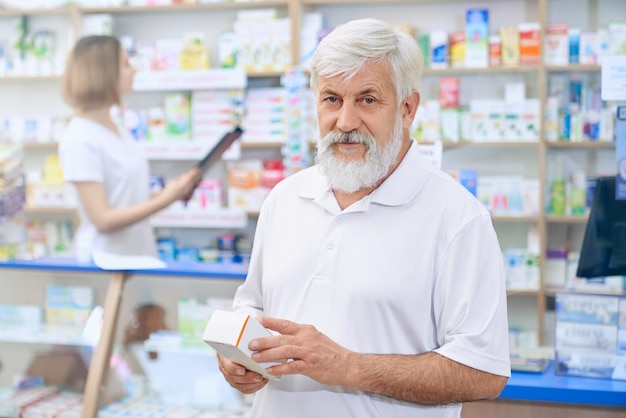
x=102 y=161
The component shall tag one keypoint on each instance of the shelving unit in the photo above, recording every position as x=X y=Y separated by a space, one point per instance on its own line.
x=425 y=15
x=295 y=9
x=338 y=11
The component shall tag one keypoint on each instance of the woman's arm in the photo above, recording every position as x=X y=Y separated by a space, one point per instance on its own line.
x=93 y=198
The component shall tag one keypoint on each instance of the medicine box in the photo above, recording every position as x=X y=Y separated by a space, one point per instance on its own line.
x=229 y=333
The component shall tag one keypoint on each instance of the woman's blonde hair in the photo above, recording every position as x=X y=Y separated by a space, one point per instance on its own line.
x=91 y=76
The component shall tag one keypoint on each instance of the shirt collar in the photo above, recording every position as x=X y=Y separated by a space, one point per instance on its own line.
x=398 y=189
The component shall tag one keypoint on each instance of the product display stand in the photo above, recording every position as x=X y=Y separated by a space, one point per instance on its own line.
x=99 y=366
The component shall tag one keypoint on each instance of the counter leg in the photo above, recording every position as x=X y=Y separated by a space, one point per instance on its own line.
x=100 y=361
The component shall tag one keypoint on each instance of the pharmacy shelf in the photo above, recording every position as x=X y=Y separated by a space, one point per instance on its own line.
x=572 y=68
x=172 y=342
x=556 y=219
x=177 y=216
x=219 y=78
x=40 y=145
x=44 y=335
x=40 y=210
x=208 y=271
x=268 y=144
x=264 y=74
x=177 y=150
x=184 y=7
x=522 y=292
x=360 y=2
x=489 y=144
x=484 y=70
x=29 y=78
x=581 y=144
x=551 y=291
x=34 y=12
x=515 y=218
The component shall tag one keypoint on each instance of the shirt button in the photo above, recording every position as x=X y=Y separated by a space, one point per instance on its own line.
x=331 y=245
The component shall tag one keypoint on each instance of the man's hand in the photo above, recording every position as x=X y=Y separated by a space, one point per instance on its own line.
x=238 y=377
x=310 y=352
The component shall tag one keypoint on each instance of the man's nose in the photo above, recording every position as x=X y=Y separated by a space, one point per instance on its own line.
x=348 y=118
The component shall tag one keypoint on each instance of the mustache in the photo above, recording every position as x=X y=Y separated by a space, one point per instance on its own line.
x=351 y=137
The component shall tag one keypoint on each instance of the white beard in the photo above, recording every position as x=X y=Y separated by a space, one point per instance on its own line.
x=352 y=176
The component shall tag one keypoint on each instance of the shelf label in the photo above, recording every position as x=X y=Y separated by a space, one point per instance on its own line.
x=180 y=217
x=613 y=84
x=176 y=150
x=220 y=78
x=433 y=152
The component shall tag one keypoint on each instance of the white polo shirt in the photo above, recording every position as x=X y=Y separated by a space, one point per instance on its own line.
x=90 y=152
x=414 y=267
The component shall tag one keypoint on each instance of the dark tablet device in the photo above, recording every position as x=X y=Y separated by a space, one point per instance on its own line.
x=216 y=152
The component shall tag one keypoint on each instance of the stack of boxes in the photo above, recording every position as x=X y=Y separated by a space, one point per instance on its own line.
x=266 y=115
x=214 y=112
x=591 y=336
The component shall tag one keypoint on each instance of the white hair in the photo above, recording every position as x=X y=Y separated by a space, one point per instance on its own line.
x=350 y=46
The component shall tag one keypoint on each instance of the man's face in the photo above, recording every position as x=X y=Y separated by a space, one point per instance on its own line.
x=361 y=128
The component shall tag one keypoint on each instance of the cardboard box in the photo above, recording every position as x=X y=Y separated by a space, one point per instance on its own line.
x=229 y=333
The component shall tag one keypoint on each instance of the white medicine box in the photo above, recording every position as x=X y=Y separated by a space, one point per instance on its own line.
x=229 y=333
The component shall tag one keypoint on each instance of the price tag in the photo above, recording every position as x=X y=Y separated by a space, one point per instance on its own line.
x=613 y=86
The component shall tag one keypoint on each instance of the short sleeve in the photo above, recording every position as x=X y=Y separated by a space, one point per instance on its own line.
x=80 y=159
x=471 y=300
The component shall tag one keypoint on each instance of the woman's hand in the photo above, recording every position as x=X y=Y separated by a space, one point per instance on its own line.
x=182 y=187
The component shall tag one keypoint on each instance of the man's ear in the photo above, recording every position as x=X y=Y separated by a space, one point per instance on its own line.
x=409 y=108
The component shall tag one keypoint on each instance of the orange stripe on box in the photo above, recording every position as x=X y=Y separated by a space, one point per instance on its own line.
x=242 y=330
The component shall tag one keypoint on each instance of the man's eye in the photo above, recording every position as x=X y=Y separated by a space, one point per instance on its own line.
x=369 y=100
x=331 y=99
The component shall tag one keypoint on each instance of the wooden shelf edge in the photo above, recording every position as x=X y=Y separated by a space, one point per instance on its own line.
x=39 y=210
x=573 y=67
x=184 y=7
x=9 y=79
x=566 y=219
x=484 y=70
x=38 y=11
x=514 y=218
x=348 y=2
x=553 y=291
x=581 y=144
x=523 y=292
x=39 y=145
x=488 y=144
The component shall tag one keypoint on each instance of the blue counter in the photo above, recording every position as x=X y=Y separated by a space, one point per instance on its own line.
x=179 y=269
x=534 y=387
x=548 y=387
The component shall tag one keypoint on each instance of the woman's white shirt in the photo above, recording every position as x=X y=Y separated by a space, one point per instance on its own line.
x=90 y=152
